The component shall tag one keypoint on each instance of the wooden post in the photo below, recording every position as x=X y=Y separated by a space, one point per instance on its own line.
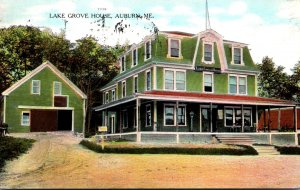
x=155 y=115
x=269 y=121
x=265 y=124
x=176 y=116
x=137 y=114
x=242 y=118
x=256 y=118
x=210 y=119
x=295 y=118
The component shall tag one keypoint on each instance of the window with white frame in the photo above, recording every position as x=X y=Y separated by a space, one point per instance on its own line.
x=229 y=117
x=208 y=82
x=123 y=64
x=237 y=84
x=175 y=80
x=174 y=47
x=237 y=56
x=135 y=84
x=106 y=97
x=208 y=52
x=124 y=119
x=134 y=57
x=25 y=119
x=113 y=95
x=170 y=115
x=35 y=87
x=123 y=89
x=148 y=50
x=57 y=88
x=148 y=115
x=234 y=117
x=148 y=80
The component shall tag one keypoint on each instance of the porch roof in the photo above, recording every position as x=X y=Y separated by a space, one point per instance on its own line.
x=215 y=98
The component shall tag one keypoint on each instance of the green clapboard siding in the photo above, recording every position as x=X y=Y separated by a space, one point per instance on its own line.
x=251 y=85
x=129 y=86
x=128 y=61
x=119 y=90
x=141 y=81
x=22 y=96
x=160 y=78
x=221 y=83
x=194 y=81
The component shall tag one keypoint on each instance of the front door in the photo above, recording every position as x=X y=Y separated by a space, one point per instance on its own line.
x=205 y=120
x=112 y=124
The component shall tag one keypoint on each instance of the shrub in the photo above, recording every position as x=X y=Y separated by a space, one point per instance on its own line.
x=288 y=149
x=244 y=150
x=11 y=148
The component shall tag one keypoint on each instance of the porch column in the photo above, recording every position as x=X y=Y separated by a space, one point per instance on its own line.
x=256 y=118
x=295 y=125
x=155 y=115
x=210 y=118
x=279 y=118
x=242 y=118
x=265 y=124
x=138 y=134
x=269 y=121
x=176 y=116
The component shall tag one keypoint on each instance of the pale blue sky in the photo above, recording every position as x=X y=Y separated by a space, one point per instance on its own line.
x=270 y=27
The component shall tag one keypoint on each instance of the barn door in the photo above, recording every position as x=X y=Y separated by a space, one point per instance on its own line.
x=43 y=120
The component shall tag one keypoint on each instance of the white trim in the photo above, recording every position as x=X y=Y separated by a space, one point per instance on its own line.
x=232 y=55
x=45 y=107
x=175 y=114
x=212 y=81
x=234 y=108
x=36 y=71
x=4 y=109
x=132 y=57
x=174 y=79
x=238 y=84
x=123 y=89
x=39 y=87
x=22 y=121
x=123 y=68
x=169 y=48
x=150 y=50
x=113 y=94
x=147 y=106
x=146 y=72
x=72 y=120
x=109 y=87
x=106 y=97
x=212 y=53
x=137 y=84
x=60 y=88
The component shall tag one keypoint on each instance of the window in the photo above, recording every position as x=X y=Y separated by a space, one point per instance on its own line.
x=135 y=84
x=125 y=119
x=237 y=85
x=208 y=54
x=123 y=64
x=174 y=46
x=237 y=56
x=169 y=80
x=175 y=80
x=208 y=82
x=247 y=117
x=106 y=97
x=113 y=95
x=229 y=117
x=148 y=115
x=134 y=57
x=25 y=120
x=233 y=116
x=123 y=89
x=148 y=50
x=57 y=88
x=148 y=80
x=242 y=85
x=36 y=87
x=170 y=115
x=232 y=85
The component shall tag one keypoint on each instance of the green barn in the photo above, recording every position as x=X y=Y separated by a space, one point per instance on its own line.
x=44 y=100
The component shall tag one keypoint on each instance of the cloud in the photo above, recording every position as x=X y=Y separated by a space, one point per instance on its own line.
x=289 y=9
x=237 y=8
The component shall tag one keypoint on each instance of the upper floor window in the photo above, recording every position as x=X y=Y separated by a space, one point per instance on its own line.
x=135 y=84
x=208 y=53
x=134 y=57
x=123 y=64
x=57 y=88
x=106 y=97
x=123 y=89
x=237 y=57
x=175 y=80
x=113 y=95
x=148 y=80
x=35 y=87
x=237 y=85
x=174 y=48
x=148 y=50
x=208 y=82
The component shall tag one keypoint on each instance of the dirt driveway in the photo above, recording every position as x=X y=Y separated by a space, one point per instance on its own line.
x=57 y=161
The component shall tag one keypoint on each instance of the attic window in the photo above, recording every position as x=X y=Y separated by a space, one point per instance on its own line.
x=237 y=56
x=148 y=50
x=134 y=57
x=123 y=65
x=36 y=87
x=208 y=54
x=174 y=48
x=57 y=88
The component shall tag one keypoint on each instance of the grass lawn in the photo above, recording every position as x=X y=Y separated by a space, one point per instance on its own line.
x=193 y=149
x=11 y=148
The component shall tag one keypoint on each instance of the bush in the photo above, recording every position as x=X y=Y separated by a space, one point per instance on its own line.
x=288 y=149
x=245 y=150
x=11 y=148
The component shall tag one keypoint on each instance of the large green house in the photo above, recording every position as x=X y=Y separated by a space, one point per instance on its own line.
x=44 y=100
x=181 y=82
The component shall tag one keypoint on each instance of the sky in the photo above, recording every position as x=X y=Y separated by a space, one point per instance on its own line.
x=270 y=27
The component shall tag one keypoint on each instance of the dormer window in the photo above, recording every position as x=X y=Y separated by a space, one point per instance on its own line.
x=123 y=64
x=134 y=57
x=208 y=53
x=174 y=48
x=148 y=50
x=237 y=56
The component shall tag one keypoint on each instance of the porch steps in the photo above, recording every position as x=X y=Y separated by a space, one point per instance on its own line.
x=235 y=139
x=266 y=150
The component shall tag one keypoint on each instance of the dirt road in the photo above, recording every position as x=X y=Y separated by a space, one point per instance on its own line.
x=57 y=161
